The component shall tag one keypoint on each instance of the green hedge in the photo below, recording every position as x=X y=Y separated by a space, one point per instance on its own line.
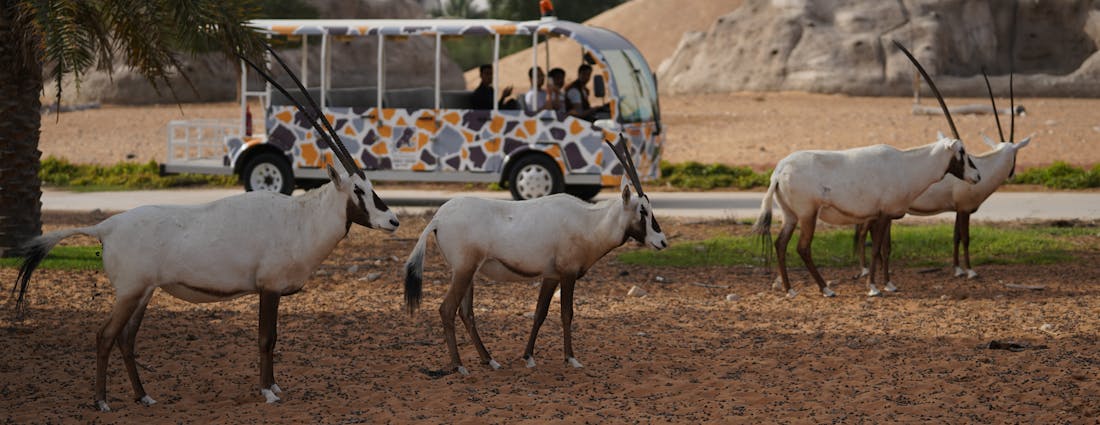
x=122 y=176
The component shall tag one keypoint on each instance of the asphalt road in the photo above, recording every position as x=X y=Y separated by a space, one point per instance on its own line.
x=1002 y=206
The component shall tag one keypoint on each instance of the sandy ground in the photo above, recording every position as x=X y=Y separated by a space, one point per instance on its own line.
x=738 y=129
x=348 y=353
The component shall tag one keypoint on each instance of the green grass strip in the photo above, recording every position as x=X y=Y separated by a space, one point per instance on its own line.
x=122 y=176
x=914 y=246
x=66 y=258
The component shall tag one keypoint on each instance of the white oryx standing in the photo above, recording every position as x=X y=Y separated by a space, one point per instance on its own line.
x=255 y=242
x=855 y=186
x=556 y=238
x=952 y=194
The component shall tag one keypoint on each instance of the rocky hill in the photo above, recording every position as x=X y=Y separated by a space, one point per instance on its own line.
x=215 y=78
x=845 y=46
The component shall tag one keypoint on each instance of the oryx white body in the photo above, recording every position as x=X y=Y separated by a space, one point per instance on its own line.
x=256 y=242
x=952 y=194
x=852 y=186
x=555 y=238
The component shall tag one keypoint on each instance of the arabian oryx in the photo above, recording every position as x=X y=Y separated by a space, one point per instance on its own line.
x=255 y=242
x=556 y=238
x=855 y=186
x=952 y=194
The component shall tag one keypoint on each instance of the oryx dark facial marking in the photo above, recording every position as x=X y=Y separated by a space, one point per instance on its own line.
x=357 y=211
x=957 y=167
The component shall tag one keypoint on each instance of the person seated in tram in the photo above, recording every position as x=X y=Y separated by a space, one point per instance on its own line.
x=555 y=94
x=576 y=96
x=540 y=99
x=482 y=97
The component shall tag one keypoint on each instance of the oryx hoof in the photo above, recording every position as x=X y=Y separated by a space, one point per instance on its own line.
x=530 y=361
x=462 y=370
x=493 y=364
x=862 y=272
x=791 y=293
x=275 y=388
x=890 y=287
x=828 y=293
x=270 y=396
x=777 y=283
x=959 y=272
x=573 y=362
x=102 y=406
x=874 y=292
x=970 y=274
x=146 y=400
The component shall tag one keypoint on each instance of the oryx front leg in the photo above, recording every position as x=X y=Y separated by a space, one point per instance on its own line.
x=460 y=281
x=466 y=312
x=886 y=244
x=567 y=285
x=860 y=247
x=125 y=304
x=269 y=322
x=126 y=341
x=805 y=240
x=546 y=293
x=877 y=227
x=964 y=219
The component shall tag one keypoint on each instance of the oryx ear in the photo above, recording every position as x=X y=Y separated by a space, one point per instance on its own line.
x=989 y=141
x=1024 y=142
x=334 y=176
x=940 y=136
x=626 y=195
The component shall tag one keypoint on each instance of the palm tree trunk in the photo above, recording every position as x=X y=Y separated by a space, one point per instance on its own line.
x=20 y=87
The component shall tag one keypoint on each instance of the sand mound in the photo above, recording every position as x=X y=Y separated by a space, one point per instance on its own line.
x=845 y=47
x=636 y=20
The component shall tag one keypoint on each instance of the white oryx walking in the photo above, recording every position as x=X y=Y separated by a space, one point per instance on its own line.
x=952 y=194
x=556 y=238
x=856 y=186
x=255 y=242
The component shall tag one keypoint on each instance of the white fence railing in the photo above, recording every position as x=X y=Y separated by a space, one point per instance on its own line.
x=199 y=139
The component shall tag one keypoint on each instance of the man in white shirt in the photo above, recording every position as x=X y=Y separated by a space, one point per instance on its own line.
x=535 y=99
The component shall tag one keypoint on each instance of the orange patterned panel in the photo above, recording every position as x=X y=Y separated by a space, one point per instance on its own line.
x=419 y=166
x=379 y=149
x=576 y=128
x=401 y=121
x=284 y=116
x=387 y=114
x=349 y=130
x=385 y=131
x=492 y=145
x=497 y=124
x=452 y=117
x=309 y=156
x=504 y=29
x=530 y=126
x=607 y=180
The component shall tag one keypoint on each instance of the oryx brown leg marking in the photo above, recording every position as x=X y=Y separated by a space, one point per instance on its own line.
x=546 y=292
x=126 y=341
x=268 y=335
x=466 y=312
x=876 y=254
x=805 y=240
x=781 y=241
x=861 y=247
x=957 y=237
x=567 y=285
x=125 y=304
x=449 y=308
x=964 y=218
x=886 y=245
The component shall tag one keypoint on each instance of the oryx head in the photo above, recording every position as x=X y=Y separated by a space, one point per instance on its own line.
x=364 y=207
x=961 y=165
x=643 y=224
x=1013 y=147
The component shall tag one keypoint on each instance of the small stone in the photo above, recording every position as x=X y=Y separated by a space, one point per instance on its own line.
x=529 y=315
x=635 y=291
x=437 y=282
x=394 y=258
x=732 y=297
x=1051 y=122
x=641 y=334
x=1047 y=327
x=944 y=297
x=374 y=276
x=353 y=269
x=662 y=279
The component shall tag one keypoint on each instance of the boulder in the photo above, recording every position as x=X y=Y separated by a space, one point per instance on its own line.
x=845 y=46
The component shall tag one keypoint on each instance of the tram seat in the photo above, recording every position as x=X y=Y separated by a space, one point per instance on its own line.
x=278 y=99
x=416 y=98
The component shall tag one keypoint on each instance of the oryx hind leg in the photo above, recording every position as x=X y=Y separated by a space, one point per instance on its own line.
x=461 y=279
x=546 y=293
x=965 y=233
x=126 y=341
x=781 y=241
x=876 y=256
x=466 y=312
x=957 y=238
x=861 y=249
x=805 y=242
x=125 y=304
